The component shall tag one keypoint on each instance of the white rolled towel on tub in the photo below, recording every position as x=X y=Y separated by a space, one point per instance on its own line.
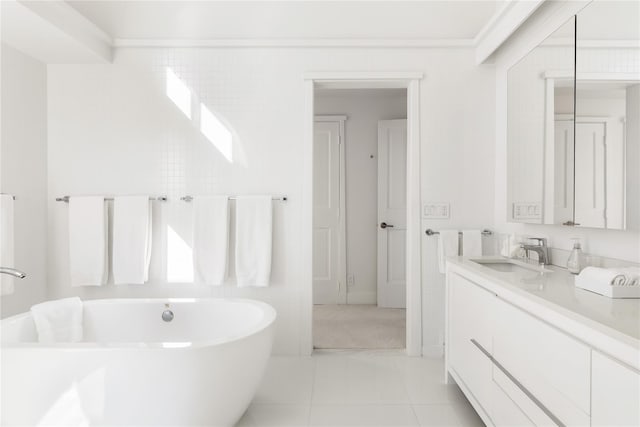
x=253 y=240
x=59 y=320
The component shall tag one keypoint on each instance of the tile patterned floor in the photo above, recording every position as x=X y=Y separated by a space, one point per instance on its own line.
x=357 y=388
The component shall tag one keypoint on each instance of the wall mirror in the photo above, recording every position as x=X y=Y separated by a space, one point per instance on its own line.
x=607 y=122
x=540 y=114
x=574 y=135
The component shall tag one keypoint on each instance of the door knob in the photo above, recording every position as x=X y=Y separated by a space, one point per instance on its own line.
x=385 y=225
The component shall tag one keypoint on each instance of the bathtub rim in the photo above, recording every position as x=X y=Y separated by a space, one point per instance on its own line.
x=270 y=316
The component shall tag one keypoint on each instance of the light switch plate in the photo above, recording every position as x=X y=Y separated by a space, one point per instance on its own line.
x=527 y=210
x=436 y=210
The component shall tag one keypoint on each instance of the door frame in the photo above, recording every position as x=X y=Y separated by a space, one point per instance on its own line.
x=342 y=223
x=365 y=80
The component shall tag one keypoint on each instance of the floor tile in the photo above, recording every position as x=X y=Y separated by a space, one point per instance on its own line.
x=288 y=380
x=358 y=379
x=275 y=415
x=437 y=415
x=362 y=415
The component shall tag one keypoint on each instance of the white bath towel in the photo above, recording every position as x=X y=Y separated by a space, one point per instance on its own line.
x=6 y=242
x=88 y=241
x=253 y=240
x=211 y=239
x=131 y=239
x=447 y=246
x=59 y=320
x=471 y=243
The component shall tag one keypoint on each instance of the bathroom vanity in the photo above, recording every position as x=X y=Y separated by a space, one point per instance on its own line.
x=529 y=348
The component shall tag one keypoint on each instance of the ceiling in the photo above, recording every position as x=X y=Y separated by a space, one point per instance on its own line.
x=292 y=19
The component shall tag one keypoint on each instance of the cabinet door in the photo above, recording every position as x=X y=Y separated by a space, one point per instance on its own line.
x=504 y=411
x=469 y=318
x=615 y=393
x=553 y=367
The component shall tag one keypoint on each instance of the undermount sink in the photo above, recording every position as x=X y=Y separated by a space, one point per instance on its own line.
x=510 y=266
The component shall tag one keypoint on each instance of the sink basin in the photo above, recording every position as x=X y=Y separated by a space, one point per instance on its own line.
x=510 y=266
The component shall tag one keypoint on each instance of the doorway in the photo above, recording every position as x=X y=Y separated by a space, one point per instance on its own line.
x=360 y=211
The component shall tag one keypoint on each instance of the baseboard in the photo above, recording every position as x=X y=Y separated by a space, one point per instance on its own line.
x=369 y=297
x=432 y=351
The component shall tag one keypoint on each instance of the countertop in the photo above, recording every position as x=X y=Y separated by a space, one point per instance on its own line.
x=554 y=297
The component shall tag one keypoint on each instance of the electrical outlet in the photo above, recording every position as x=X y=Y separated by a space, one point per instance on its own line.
x=527 y=210
x=351 y=280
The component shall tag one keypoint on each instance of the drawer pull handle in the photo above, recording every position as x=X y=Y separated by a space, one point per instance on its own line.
x=522 y=388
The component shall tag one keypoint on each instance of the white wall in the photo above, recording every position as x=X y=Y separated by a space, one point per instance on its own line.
x=623 y=245
x=113 y=130
x=364 y=108
x=23 y=159
x=633 y=157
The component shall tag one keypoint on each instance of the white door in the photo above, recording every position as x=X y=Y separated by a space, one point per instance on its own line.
x=563 y=172
x=392 y=213
x=590 y=197
x=327 y=170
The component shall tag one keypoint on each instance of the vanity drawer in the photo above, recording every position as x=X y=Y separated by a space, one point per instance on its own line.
x=553 y=367
x=615 y=393
x=469 y=314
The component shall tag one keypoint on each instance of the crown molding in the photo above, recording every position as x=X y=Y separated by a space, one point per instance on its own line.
x=294 y=43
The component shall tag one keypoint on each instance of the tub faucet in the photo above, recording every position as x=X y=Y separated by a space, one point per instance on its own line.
x=540 y=248
x=12 y=272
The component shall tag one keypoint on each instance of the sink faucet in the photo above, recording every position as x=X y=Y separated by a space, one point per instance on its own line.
x=540 y=248
x=12 y=272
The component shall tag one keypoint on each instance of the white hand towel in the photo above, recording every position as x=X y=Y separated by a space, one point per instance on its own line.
x=471 y=243
x=211 y=239
x=6 y=242
x=59 y=320
x=447 y=246
x=253 y=240
x=131 y=239
x=88 y=241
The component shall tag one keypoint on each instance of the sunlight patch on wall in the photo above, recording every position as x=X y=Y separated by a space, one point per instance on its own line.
x=179 y=93
x=179 y=258
x=216 y=133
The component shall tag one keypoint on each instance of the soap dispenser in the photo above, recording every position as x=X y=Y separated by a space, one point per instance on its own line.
x=576 y=261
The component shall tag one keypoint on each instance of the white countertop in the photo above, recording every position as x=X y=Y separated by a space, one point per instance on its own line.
x=557 y=298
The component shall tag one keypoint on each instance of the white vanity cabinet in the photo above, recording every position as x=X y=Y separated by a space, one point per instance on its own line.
x=615 y=391
x=471 y=308
x=520 y=364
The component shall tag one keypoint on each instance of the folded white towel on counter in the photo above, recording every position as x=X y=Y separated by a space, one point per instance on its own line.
x=59 y=320
x=131 y=239
x=88 y=241
x=6 y=242
x=614 y=283
x=471 y=243
x=447 y=246
x=253 y=240
x=211 y=239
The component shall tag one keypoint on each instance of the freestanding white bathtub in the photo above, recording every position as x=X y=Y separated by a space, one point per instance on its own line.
x=133 y=368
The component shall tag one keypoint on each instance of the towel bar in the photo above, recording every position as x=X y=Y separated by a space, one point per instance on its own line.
x=66 y=198
x=5 y=194
x=190 y=198
x=430 y=232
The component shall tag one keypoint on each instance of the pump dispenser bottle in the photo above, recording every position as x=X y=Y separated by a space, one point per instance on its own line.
x=576 y=261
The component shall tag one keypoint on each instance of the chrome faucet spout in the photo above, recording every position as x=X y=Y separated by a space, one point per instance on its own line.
x=539 y=248
x=12 y=272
